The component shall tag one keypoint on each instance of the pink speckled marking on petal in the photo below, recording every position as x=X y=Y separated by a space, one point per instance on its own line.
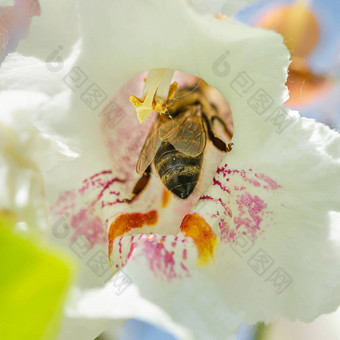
x=66 y=201
x=81 y=205
x=272 y=184
x=216 y=182
x=227 y=210
x=91 y=227
x=120 y=245
x=102 y=181
x=254 y=206
x=250 y=206
x=162 y=261
x=185 y=269
x=237 y=188
x=165 y=260
x=248 y=177
x=227 y=235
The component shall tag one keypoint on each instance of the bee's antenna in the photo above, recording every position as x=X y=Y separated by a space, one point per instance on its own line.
x=169 y=114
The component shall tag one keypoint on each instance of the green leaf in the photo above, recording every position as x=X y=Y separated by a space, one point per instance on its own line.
x=263 y=331
x=33 y=285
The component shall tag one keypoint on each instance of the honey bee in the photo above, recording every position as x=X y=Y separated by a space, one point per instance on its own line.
x=177 y=140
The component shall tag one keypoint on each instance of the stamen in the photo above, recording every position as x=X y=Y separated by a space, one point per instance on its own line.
x=156 y=94
x=144 y=106
x=163 y=88
x=152 y=80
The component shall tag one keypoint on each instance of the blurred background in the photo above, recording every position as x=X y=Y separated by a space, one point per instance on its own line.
x=311 y=31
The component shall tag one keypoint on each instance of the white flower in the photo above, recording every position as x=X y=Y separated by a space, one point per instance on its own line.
x=271 y=212
x=22 y=192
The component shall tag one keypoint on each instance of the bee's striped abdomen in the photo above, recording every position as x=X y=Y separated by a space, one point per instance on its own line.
x=178 y=172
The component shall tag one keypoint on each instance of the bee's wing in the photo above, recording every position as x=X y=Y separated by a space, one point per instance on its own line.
x=149 y=150
x=186 y=132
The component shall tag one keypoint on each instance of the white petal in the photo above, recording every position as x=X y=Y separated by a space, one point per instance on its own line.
x=213 y=6
x=96 y=307
x=166 y=272
x=22 y=189
x=282 y=208
x=225 y=55
x=48 y=35
x=324 y=325
x=232 y=6
x=265 y=71
x=6 y=3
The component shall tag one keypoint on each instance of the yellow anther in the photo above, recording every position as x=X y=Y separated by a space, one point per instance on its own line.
x=135 y=101
x=172 y=91
x=157 y=94
x=158 y=107
x=143 y=111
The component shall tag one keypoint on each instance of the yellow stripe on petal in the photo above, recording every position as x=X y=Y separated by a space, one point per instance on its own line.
x=195 y=226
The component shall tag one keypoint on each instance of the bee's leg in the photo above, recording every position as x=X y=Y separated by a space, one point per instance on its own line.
x=140 y=185
x=219 y=144
x=224 y=125
x=212 y=113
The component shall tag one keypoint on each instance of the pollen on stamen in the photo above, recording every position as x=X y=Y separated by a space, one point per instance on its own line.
x=158 y=91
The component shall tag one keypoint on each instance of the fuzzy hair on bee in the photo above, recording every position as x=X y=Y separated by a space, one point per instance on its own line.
x=177 y=140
